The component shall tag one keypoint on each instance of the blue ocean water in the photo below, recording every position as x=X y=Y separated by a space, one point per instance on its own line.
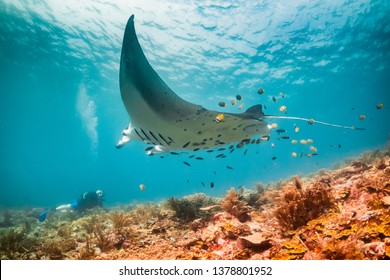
x=61 y=113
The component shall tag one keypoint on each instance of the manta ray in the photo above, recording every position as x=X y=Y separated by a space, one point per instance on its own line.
x=162 y=119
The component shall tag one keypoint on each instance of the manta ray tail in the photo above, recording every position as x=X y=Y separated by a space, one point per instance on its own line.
x=312 y=121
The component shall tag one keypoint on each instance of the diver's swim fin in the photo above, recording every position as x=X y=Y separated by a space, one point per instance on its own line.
x=42 y=216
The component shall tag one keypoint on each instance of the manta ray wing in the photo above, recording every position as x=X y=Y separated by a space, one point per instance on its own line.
x=163 y=119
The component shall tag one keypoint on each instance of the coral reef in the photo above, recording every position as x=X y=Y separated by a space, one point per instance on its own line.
x=333 y=214
x=188 y=208
x=233 y=204
x=299 y=206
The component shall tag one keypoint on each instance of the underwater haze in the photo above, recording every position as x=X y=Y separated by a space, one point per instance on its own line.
x=61 y=112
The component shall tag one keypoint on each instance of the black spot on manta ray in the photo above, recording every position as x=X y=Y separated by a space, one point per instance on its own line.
x=186 y=144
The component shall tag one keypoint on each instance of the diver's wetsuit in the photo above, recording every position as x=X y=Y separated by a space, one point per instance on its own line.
x=87 y=201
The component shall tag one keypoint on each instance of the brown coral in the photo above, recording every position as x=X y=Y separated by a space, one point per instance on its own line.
x=298 y=206
x=120 y=222
x=232 y=204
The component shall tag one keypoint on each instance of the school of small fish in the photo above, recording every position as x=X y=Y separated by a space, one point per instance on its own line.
x=281 y=132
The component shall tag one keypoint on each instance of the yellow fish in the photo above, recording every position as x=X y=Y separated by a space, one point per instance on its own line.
x=313 y=149
x=219 y=117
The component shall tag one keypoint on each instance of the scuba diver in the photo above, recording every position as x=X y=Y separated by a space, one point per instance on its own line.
x=87 y=200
